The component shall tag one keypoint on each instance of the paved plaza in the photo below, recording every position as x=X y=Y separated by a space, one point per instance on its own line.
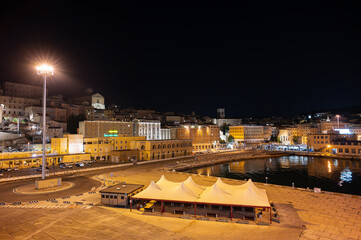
x=303 y=215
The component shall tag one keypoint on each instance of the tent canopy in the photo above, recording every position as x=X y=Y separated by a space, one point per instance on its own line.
x=219 y=193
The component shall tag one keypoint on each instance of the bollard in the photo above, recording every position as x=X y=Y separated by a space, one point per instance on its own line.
x=293 y=185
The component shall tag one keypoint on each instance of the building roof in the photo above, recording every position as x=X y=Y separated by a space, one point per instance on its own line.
x=122 y=188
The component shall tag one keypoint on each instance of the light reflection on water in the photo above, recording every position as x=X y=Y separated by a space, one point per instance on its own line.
x=329 y=174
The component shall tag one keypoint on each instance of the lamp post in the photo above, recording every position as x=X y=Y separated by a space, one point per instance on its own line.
x=45 y=71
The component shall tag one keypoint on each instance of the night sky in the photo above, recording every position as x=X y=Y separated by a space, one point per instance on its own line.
x=251 y=57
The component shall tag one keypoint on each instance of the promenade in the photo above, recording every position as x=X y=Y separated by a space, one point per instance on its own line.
x=303 y=215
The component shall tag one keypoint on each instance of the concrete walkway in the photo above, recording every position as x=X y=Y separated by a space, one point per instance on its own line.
x=326 y=216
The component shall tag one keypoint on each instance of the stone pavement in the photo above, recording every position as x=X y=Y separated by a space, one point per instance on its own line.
x=326 y=216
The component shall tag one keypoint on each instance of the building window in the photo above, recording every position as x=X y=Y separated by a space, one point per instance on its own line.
x=103 y=196
x=107 y=196
x=122 y=197
x=353 y=151
x=347 y=150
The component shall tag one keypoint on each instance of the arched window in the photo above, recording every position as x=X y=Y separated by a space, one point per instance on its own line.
x=168 y=145
x=159 y=146
x=142 y=147
x=173 y=146
x=154 y=147
x=164 y=146
x=177 y=144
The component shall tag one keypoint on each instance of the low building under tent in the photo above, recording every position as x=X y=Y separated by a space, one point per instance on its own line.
x=119 y=195
x=219 y=200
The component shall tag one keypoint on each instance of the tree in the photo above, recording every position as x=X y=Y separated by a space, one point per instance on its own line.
x=230 y=139
x=224 y=128
x=73 y=123
x=295 y=139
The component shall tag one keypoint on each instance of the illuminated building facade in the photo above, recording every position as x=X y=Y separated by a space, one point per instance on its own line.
x=91 y=129
x=147 y=128
x=247 y=133
x=161 y=149
x=333 y=143
x=203 y=136
x=101 y=148
x=15 y=106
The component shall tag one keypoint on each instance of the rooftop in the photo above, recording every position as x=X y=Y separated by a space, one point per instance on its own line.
x=122 y=188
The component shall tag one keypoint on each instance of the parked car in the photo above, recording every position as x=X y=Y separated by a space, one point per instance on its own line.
x=79 y=164
x=9 y=169
x=2 y=170
x=68 y=165
x=93 y=161
x=88 y=164
x=39 y=169
x=62 y=165
x=15 y=169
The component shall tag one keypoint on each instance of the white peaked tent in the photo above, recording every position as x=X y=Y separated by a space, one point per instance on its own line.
x=215 y=195
x=168 y=191
x=220 y=193
x=152 y=190
x=239 y=188
x=196 y=188
x=164 y=182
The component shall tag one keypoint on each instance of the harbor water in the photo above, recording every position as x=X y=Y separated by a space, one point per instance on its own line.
x=329 y=174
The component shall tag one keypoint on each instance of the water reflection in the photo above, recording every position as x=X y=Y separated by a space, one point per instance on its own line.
x=330 y=174
x=346 y=175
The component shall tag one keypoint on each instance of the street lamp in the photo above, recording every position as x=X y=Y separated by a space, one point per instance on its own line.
x=45 y=71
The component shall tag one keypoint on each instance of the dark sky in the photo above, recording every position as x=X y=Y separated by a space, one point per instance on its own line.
x=250 y=57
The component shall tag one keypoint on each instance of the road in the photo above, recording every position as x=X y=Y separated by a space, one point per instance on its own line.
x=83 y=181
x=82 y=184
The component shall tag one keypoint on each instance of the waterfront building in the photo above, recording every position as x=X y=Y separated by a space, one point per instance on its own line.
x=147 y=128
x=161 y=149
x=284 y=136
x=165 y=133
x=247 y=133
x=101 y=148
x=93 y=129
x=325 y=142
x=69 y=149
x=124 y=156
x=203 y=136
